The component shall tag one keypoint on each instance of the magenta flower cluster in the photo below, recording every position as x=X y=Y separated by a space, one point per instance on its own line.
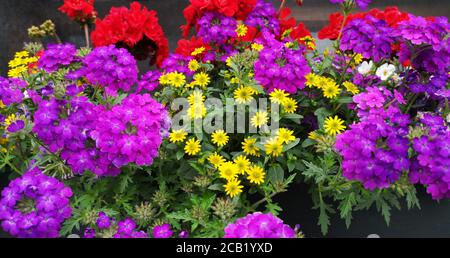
x=34 y=205
x=149 y=81
x=177 y=63
x=162 y=231
x=280 y=67
x=431 y=167
x=217 y=28
x=109 y=67
x=375 y=150
x=131 y=132
x=11 y=91
x=126 y=228
x=57 y=56
x=368 y=36
x=259 y=225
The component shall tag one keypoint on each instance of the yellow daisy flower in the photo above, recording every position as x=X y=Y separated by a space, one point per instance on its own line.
x=243 y=94
x=177 y=136
x=261 y=118
x=164 y=79
x=233 y=187
x=313 y=135
x=220 y=138
x=196 y=98
x=358 y=59
x=216 y=159
x=228 y=170
x=2 y=105
x=334 y=126
x=198 y=51
x=197 y=111
x=249 y=147
x=241 y=30
x=257 y=47
x=331 y=90
x=274 y=147
x=285 y=136
x=242 y=163
x=202 y=79
x=256 y=175
x=278 y=96
x=177 y=79
x=192 y=147
x=351 y=87
x=311 y=80
x=289 y=105
x=193 y=65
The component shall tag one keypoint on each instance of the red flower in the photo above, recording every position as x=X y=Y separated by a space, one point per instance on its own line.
x=79 y=10
x=297 y=31
x=391 y=15
x=239 y=9
x=187 y=46
x=136 y=29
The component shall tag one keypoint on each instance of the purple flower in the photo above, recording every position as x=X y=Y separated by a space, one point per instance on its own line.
x=259 y=225
x=16 y=126
x=103 y=221
x=362 y=4
x=89 y=233
x=127 y=229
x=279 y=67
x=131 y=132
x=34 y=205
x=375 y=150
x=264 y=16
x=162 y=231
x=109 y=67
x=183 y=234
x=217 y=28
x=56 y=56
x=174 y=63
x=431 y=164
x=369 y=36
x=149 y=81
x=11 y=91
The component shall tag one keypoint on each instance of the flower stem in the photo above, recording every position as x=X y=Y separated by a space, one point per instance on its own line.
x=282 y=5
x=86 y=35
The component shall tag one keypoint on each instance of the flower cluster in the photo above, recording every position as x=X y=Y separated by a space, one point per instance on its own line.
x=369 y=36
x=264 y=16
x=109 y=67
x=431 y=167
x=238 y=9
x=215 y=27
x=137 y=29
x=259 y=225
x=11 y=91
x=132 y=131
x=375 y=150
x=122 y=229
x=56 y=56
x=362 y=4
x=280 y=67
x=21 y=64
x=79 y=10
x=34 y=205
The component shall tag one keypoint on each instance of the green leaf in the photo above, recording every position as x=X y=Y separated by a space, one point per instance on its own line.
x=291 y=164
x=324 y=219
x=180 y=155
x=216 y=187
x=314 y=172
x=308 y=142
x=291 y=145
x=275 y=174
x=296 y=118
x=345 y=100
x=346 y=207
x=411 y=197
x=322 y=114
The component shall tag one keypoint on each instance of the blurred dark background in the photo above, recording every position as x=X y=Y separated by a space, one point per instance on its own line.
x=433 y=220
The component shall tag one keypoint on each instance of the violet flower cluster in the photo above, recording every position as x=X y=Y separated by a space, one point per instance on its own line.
x=368 y=36
x=109 y=67
x=149 y=81
x=362 y=4
x=264 y=16
x=34 y=205
x=56 y=56
x=280 y=67
x=11 y=91
x=375 y=150
x=431 y=167
x=215 y=27
x=425 y=43
x=162 y=231
x=259 y=225
x=132 y=131
x=177 y=63
x=126 y=228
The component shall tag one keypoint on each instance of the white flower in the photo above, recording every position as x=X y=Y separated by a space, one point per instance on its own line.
x=365 y=67
x=385 y=71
